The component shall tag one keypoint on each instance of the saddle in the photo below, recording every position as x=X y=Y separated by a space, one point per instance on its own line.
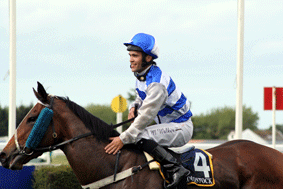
x=197 y=161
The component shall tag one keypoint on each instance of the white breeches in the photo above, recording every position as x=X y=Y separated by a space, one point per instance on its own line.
x=169 y=134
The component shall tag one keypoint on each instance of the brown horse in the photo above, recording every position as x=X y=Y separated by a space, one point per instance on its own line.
x=237 y=164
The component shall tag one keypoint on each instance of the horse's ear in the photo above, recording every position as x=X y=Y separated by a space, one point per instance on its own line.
x=40 y=93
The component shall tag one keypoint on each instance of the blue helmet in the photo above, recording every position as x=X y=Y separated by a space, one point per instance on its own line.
x=145 y=42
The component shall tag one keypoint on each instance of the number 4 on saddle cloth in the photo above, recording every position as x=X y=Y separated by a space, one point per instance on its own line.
x=199 y=162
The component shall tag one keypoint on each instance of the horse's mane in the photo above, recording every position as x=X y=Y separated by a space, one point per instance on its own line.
x=99 y=128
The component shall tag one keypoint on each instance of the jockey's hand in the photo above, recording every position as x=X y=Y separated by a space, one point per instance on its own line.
x=114 y=146
x=131 y=113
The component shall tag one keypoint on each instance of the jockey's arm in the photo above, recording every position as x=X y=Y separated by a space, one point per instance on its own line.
x=156 y=96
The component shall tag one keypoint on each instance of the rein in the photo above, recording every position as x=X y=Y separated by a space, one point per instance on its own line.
x=25 y=150
x=56 y=146
x=129 y=120
x=106 y=181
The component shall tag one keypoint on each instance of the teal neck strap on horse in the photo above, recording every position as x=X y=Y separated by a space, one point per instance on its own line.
x=39 y=129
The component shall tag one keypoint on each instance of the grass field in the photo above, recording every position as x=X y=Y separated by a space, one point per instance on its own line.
x=60 y=159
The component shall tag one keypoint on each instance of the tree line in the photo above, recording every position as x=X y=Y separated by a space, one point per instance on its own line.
x=215 y=124
x=21 y=112
x=219 y=122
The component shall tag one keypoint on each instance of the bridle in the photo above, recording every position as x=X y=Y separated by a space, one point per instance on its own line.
x=103 y=182
x=24 y=150
x=54 y=134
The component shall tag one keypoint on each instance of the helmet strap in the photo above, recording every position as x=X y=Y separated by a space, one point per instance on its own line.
x=144 y=62
x=143 y=76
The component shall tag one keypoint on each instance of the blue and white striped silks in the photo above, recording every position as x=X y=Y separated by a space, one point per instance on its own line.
x=176 y=108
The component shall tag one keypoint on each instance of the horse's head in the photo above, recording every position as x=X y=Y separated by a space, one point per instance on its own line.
x=36 y=130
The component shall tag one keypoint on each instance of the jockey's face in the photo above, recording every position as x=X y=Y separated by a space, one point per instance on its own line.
x=136 y=61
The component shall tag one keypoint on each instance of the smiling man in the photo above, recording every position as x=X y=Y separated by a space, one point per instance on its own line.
x=159 y=99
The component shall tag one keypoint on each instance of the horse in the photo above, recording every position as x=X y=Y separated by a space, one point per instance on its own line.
x=82 y=137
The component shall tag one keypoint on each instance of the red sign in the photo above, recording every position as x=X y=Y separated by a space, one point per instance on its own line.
x=268 y=98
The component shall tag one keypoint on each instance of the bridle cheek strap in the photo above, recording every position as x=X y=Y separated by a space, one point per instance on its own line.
x=16 y=141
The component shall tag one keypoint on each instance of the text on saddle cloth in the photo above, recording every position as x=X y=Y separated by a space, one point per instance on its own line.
x=199 y=162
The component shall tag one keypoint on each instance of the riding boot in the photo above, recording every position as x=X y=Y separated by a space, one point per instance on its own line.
x=174 y=168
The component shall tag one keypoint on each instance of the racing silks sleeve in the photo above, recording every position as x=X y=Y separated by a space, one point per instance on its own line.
x=156 y=96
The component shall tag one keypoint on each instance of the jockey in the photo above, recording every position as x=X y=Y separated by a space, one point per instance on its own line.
x=158 y=98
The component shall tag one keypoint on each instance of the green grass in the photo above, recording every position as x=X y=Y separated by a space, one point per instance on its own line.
x=61 y=159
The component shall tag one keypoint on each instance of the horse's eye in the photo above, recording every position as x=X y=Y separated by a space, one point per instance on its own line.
x=32 y=119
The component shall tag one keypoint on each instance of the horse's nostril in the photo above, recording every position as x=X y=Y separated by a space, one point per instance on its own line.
x=2 y=156
x=3 y=160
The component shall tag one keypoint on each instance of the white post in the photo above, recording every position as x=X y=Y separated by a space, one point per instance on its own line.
x=12 y=89
x=240 y=55
x=119 y=119
x=48 y=161
x=273 y=116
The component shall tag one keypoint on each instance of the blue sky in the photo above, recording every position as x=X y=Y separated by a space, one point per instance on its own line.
x=75 y=48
